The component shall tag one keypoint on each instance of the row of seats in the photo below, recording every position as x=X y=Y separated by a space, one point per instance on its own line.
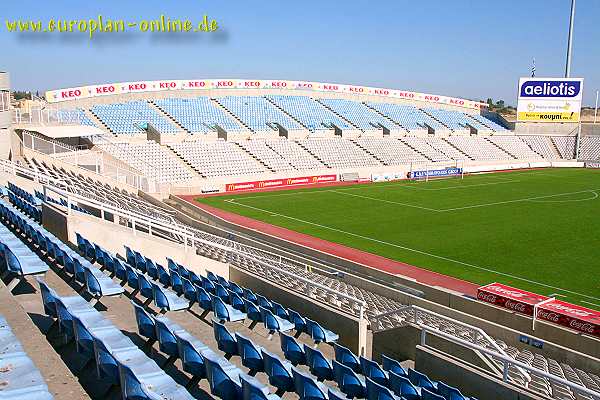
x=360 y=115
x=590 y=147
x=132 y=117
x=117 y=358
x=92 y=280
x=23 y=205
x=309 y=113
x=19 y=377
x=198 y=115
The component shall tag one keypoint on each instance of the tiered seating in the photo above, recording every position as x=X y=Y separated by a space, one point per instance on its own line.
x=24 y=262
x=542 y=145
x=198 y=115
x=21 y=380
x=298 y=157
x=423 y=146
x=266 y=155
x=339 y=153
x=565 y=146
x=132 y=117
x=117 y=358
x=310 y=113
x=446 y=148
x=358 y=114
x=74 y=116
x=390 y=150
x=409 y=117
x=25 y=206
x=590 y=148
x=258 y=113
x=488 y=122
x=153 y=160
x=455 y=120
x=478 y=148
x=514 y=145
x=217 y=158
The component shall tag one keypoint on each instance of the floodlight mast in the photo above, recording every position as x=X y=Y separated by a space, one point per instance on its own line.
x=570 y=41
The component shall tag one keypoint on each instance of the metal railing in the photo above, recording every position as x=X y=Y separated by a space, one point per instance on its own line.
x=419 y=318
x=189 y=239
x=507 y=361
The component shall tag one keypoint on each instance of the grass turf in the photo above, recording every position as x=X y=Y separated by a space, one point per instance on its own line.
x=537 y=230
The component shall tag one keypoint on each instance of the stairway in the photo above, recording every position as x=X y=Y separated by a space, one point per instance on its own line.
x=184 y=163
x=386 y=117
x=97 y=121
x=418 y=152
x=502 y=149
x=286 y=113
x=314 y=155
x=254 y=157
x=340 y=116
x=554 y=148
x=232 y=115
x=459 y=150
x=435 y=119
x=368 y=152
x=166 y=115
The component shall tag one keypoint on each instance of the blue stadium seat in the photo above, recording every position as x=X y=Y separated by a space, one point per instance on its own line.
x=391 y=365
x=223 y=377
x=320 y=334
x=192 y=360
x=279 y=372
x=226 y=342
x=274 y=323
x=376 y=391
x=145 y=323
x=348 y=381
x=166 y=334
x=204 y=301
x=237 y=301
x=264 y=302
x=450 y=393
x=280 y=311
x=149 y=386
x=317 y=364
x=291 y=349
x=298 y=320
x=372 y=370
x=346 y=357
x=224 y=312
x=221 y=292
x=402 y=386
x=167 y=300
x=250 y=354
x=249 y=295
x=429 y=395
x=421 y=380
x=307 y=388
x=334 y=394
x=252 y=389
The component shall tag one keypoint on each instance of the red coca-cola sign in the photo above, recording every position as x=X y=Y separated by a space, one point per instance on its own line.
x=572 y=316
x=510 y=298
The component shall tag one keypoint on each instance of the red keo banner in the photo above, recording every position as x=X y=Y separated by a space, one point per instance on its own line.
x=571 y=316
x=305 y=180
x=508 y=297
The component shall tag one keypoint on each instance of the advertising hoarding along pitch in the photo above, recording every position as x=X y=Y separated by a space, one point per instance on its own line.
x=549 y=100
x=511 y=298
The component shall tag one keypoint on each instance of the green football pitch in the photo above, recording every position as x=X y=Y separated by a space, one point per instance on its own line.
x=538 y=230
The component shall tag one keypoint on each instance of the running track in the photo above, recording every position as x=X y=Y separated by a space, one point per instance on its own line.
x=369 y=260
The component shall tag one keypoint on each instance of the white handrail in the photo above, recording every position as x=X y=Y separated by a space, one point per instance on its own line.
x=507 y=361
x=189 y=235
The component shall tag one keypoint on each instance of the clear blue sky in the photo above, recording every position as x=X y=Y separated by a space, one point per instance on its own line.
x=473 y=49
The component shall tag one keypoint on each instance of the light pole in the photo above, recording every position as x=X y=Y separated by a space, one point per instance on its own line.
x=596 y=108
x=570 y=42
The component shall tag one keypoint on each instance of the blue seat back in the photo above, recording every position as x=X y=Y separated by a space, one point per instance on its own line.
x=371 y=369
x=348 y=381
x=145 y=322
x=427 y=394
x=392 y=365
x=298 y=320
x=167 y=341
x=420 y=380
x=252 y=311
x=226 y=342
x=253 y=389
x=269 y=319
x=191 y=359
x=291 y=349
x=376 y=391
x=221 y=384
x=401 y=386
x=220 y=308
x=344 y=356
x=250 y=353
x=306 y=387
x=318 y=364
x=279 y=376
x=203 y=298
x=450 y=393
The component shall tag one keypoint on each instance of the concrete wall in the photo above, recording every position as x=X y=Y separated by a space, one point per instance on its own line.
x=353 y=332
x=542 y=128
x=469 y=380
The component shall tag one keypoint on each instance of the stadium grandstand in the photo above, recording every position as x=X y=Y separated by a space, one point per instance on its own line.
x=120 y=280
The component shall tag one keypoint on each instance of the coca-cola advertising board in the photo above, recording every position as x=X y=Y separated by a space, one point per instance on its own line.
x=510 y=298
x=571 y=316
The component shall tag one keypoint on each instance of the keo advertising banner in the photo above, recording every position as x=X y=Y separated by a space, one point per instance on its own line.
x=549 y=99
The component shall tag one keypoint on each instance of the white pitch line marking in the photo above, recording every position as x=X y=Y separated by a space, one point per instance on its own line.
x=385 y=201
x=417 y=251
x=587 y=302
